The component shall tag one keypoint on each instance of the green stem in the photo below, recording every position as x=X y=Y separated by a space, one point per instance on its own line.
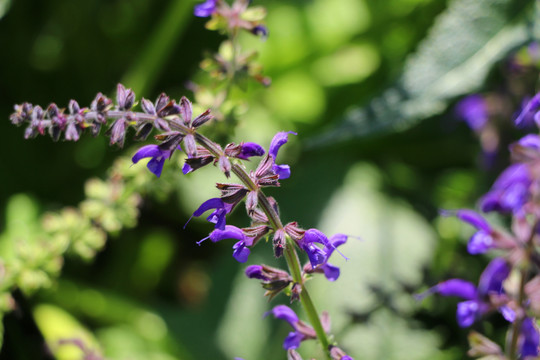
x=524 y=274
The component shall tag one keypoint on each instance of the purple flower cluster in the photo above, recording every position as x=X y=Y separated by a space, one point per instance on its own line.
x=516 y=192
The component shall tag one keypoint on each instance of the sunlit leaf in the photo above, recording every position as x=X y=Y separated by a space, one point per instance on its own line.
x=454 y=59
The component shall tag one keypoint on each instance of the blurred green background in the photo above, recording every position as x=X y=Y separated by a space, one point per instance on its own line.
x=368 y=85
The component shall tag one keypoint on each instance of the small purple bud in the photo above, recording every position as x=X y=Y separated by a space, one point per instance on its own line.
x=260 y=30
x=148 y=107
x=118 y=132
x=186 y=110
x=256 y=272
x=205 y=9
x=250 y=149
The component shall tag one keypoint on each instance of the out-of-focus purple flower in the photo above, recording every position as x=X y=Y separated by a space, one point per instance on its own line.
x=529 y=339
x=529 y=113
x=301 y=333
x=510 y=192
x=217 y=217
x=473 y=109
x=240 y=249
x=482 y=240
x=280 y=139
x=476 y=302
x=205 y=9
x=250 y=149
x=158 y=155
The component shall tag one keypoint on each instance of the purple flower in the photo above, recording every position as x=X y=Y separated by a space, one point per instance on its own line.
x=217 y=216
x=473 y=109
x=510 y=191
x=293 y=340
x=205 y=9
x=476 y=302
x=158 y=155
x=529 y=339
x=318 y=258
x=280 y=139
x=482 y=240
x=529 y=113
x=241 y=250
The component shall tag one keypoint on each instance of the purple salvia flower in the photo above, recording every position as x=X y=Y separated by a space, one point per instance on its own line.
x=482 y=240
x=240 y=249
x=529 y=113
x=493 y=276
x=477 y=298
x=283 y=312
x=158 y=155
x=280 y=139
x=205 y=9
x=217 y=217
x=473 y=109
x=530 y=339
x=510 y=192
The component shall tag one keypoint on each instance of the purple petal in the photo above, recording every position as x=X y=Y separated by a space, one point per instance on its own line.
x=331 y=272
x=283 y=312
x=480 y=243
x=282 y=171
x=314 y=235
x=474 y=219
x=230 y=232
x=468 y=312
x=146 y=151
x=316 y=255
x=531 y=141
x=255 y=272
x=507 y=313
x=530 y=338
x=156 y=165
x=241 y=252
x=278 y=141
x=214 y=203
x=456 y=287
x=493 y=277
x=524 y=118
x=250 y=149
x=205 y=9
x=186 y=169
x=293 y=340
x=473 y=110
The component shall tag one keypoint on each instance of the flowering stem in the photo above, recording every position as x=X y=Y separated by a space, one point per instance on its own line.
x=524 y=274
x=290 y=252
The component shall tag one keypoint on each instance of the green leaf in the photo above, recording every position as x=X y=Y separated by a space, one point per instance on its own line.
x=454 y=59
x=395 y=244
